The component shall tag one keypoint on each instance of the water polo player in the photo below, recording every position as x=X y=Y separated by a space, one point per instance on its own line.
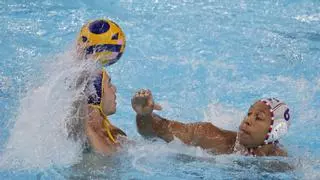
x=259 y=133
x=89 y=121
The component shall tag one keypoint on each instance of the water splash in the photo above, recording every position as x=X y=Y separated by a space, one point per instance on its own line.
x=39 y=136
x=223 y=116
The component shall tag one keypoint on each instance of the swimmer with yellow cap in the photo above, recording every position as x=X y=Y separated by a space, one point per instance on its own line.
x=259 y=132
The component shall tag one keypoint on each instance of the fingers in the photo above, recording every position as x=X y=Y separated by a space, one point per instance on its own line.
x=142 y=93
x=142 y=102
x=146 y=94
x=157 y=107
x=142 y=97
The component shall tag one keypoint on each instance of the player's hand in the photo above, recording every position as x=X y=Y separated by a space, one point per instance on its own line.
x=142 y=102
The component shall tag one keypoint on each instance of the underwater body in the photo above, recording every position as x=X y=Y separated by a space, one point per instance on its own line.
x=203 y=60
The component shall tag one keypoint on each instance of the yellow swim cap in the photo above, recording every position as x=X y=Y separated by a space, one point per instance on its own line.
x=101 y=40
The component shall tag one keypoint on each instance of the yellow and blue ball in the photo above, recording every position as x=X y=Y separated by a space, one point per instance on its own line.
x=101 y=40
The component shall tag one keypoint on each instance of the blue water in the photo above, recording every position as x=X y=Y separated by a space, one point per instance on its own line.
x=203 y=60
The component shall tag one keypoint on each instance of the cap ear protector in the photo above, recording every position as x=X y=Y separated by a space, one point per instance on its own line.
x=95 y=98
x=278 y=131
x=280 y=117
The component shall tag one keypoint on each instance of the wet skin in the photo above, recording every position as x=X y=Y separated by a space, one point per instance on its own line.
x=252 y=130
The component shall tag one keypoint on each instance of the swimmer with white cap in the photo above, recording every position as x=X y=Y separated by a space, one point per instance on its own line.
x=259 y=133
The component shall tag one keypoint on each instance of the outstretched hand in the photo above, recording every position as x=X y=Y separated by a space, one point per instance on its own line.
x=142 y=102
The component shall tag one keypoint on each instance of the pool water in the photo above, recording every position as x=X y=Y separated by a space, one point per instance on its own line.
x=203 y=60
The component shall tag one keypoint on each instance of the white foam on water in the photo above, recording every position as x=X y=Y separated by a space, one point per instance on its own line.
x=150 y=152
x=5 y=82
x=308 y=18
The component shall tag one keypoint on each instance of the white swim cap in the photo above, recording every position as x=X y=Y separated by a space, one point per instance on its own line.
x=279 y=120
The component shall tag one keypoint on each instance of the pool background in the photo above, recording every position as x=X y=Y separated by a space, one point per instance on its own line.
x=205 y=60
